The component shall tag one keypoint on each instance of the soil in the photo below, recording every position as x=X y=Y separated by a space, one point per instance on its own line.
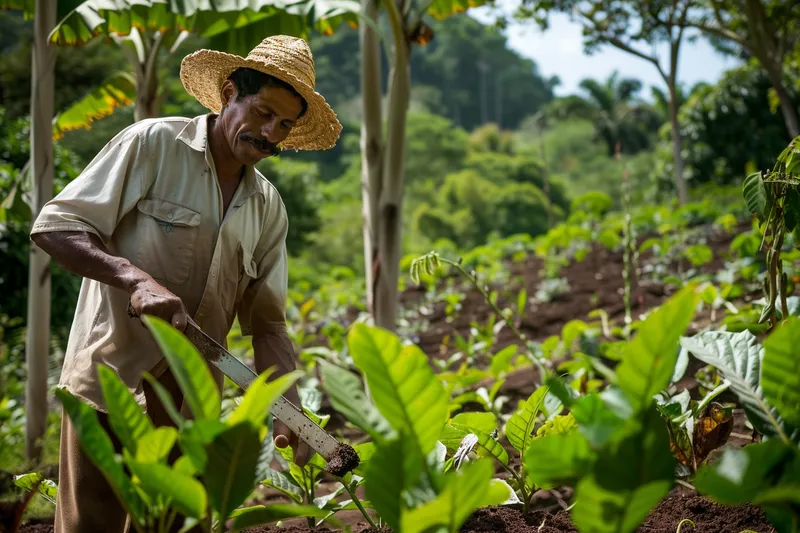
x=343 y=461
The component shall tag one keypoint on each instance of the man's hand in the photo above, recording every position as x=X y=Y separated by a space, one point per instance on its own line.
x=273 y=348
x=150 y=298
x=283 y=437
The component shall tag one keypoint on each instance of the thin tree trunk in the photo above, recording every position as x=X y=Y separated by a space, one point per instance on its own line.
x=371 y=144
x=37 y=343
x=680 y=184
x=390 y=226
x=787 y=107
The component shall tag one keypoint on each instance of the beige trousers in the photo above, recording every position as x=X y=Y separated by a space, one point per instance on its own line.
x=85 y=502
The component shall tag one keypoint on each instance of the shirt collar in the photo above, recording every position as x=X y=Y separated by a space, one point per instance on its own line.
x=195 y=136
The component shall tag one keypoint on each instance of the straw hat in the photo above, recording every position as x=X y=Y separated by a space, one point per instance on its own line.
x=287 y=58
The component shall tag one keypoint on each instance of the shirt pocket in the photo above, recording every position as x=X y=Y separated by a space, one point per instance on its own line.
x=244 y=270
x=168 y=232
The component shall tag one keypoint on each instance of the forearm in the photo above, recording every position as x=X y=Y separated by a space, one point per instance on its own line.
x=85 y=254
x=272 y=347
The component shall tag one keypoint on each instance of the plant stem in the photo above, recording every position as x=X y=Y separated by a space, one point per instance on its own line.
x=511 y=326
x=358 y=504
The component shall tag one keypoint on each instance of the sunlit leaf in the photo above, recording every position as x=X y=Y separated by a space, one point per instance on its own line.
x=183 y=492
x=125 y=416
x=119 y=90
x=780 y=371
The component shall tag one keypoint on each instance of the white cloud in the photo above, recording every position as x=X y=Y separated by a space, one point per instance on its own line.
x=558 y=51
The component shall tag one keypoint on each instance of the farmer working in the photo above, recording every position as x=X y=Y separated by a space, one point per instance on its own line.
x=172 y=217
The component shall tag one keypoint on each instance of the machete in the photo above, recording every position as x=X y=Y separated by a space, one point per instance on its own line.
x=341 y=457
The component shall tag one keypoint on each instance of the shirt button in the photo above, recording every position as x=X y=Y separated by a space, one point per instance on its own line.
x=169 y=216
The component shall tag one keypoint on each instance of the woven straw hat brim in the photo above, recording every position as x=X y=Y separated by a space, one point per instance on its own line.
x=204 y=71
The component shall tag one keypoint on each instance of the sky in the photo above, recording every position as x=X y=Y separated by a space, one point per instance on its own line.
x=559 y=52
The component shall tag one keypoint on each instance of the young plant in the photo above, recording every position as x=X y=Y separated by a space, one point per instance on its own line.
x=219 y=464
x=428 y=263
x=766 y=380
x=404 y=416
x=773 y=198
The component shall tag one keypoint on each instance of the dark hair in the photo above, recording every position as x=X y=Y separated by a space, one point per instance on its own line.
x=249 y=81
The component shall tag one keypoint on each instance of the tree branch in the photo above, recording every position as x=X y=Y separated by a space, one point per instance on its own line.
x=615 y=41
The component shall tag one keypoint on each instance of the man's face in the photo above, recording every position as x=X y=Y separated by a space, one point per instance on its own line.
x=254 y=125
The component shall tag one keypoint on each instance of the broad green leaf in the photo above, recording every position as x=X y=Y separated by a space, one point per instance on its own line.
x=231 y=466
x=365 y=452
x=519 y=427
x=97 y=445
x=118 y=90
x=260 y=396
x=467 y=489
x=486 y=422
x=347 y=396
x=280 y=481
x=234 y=26
x=766 y=474
x=501 y=361
x=261 y=514
x=629 y=477
x=156 y=445
x=454 y=434
x=189 y=368
x=395 y=466
x=166 y=400
x=755 y=195
x=195 y=436
x=596 y=421
x=183 y=492
x=738 y=357
x=557 y=459
x=651 y=356
x=34 y=481
x=780 y=371
x=125 y=415
x=402 y=384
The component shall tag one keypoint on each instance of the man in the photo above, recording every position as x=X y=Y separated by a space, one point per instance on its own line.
x=172 y=217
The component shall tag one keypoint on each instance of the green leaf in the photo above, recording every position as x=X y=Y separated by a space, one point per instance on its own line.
x=260 y=396
x=195 y=436
x=189 y=368
x=519 y=427
x=34 y=481
x=557 y=459
x=467 y=489
x=118 y=90
x=755 y=195
x=280 y=481
x=780 y=371
x=97 y=445
x=181 y=491
x=792 y=207
x=231 y=466
x=738 y=357
x=347 y=396
x=156 y=445
x=651 y=356
x=486 y=422
x=596 y=421
x=628 y=478
x=766 y=474
x=395 y=466
x=125 y=415
x=260 y=514
x=402 y=384
x=166 y=400
x=454 y=434
x=501 y=361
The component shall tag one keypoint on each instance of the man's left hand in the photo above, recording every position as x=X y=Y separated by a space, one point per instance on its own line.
x=284 y=437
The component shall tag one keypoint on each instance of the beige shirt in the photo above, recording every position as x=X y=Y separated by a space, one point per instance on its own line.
x=152 y=196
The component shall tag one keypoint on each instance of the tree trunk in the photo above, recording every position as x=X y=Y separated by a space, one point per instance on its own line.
x=147 y=100
x=680 y=184
x=390 y=225
x=371 y=144
x=37 y=343
x=787 y=108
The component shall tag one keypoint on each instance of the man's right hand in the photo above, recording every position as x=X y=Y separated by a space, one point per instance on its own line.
x=151 y=298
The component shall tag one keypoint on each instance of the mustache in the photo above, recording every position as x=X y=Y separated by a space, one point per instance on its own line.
x=260 y=142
